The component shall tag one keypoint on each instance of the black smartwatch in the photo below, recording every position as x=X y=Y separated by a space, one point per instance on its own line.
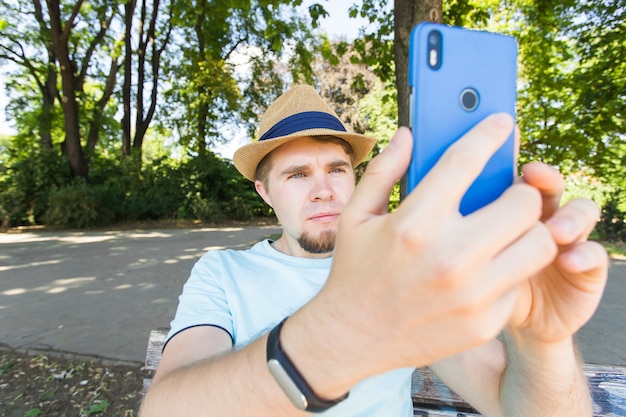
x=290 y=380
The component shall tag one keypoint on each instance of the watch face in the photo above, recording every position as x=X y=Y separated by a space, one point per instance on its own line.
x=286 y=383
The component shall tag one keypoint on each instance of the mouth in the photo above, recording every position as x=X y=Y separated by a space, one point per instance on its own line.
x=325 y=217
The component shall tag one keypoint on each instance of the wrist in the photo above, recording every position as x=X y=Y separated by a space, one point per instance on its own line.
x=291 y=380
x=538 y=372
x=329 y=368
x=557 y=357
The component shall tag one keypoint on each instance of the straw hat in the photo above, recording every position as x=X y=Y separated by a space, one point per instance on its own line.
x=297 y=113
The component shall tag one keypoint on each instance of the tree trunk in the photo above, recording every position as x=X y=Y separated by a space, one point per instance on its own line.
x=129 y=11
x=60 y=36
x=49 y=89
x=95 y=125
x=408 y=13
x=148 y=41
x=49 y=93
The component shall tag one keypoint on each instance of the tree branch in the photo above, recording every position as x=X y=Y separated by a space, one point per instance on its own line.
x=92 y=47
x=70 y=23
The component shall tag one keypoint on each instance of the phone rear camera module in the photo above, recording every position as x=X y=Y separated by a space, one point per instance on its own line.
x=469 y=99
x=434 y=49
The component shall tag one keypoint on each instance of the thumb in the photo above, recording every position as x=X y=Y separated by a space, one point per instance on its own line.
x=371 y=196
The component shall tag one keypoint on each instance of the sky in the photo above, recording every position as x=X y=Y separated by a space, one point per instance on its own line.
x=337 y=24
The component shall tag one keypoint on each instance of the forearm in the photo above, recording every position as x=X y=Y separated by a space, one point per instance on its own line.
x=543 y=380
x=234 y=384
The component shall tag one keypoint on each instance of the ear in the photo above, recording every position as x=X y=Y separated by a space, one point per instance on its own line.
x=260 y=189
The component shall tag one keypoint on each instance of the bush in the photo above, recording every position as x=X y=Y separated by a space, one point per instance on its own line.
x=206 y=210
x=25 y=185
x=612 y=224
x=79 y=206
x=37 y=188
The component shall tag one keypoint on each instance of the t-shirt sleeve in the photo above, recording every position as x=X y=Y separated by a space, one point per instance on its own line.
x=203 y=301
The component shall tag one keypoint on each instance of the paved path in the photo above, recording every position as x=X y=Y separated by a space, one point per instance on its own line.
x=100 y=293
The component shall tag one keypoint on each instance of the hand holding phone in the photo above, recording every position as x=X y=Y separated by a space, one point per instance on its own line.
x=457 y=77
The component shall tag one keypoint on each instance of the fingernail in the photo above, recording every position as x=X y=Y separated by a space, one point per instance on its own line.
x=503 y=119
x=395 y=140
x=564 y=228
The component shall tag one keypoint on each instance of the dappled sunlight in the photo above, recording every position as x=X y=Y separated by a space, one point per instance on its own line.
x=123 y=287
x=143 y=263
x=54 y=287
x=14 y=291
x=85 y=239
x=208 y=248
x=61 y=285
x=217 y=229
x=146 y=235
x=30 y=265
x=73 y=238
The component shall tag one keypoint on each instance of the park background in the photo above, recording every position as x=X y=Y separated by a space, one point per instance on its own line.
x=122 y=115
x=129 y=111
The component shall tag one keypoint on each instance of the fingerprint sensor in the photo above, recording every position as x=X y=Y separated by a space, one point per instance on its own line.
x=469 y=99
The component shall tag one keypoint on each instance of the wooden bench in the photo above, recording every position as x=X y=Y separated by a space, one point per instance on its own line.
x=432 y=398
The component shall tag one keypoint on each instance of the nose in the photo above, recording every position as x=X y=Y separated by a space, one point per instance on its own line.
x=322 y=189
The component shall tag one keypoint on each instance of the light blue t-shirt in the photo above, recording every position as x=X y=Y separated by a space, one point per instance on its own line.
x=248 y=292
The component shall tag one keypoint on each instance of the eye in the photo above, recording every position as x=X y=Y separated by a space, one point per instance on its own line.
x=338 y=170
x=297 y=175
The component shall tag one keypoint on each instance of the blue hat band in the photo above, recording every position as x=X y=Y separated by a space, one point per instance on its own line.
x=303 y=121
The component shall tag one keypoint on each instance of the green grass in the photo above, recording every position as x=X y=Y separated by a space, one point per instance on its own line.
x=615 y=249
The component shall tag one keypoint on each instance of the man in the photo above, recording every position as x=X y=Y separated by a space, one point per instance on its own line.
x=420 y=286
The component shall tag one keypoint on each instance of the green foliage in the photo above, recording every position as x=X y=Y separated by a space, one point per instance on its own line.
x=213 y=190
x=375 y=48
x=466 y=12
x=573 y=84
x=78 y=205
x=38 y=188
x=26 y=182
x=612 y=224
x=572 y=99
x=33 y=412
x=98 y=407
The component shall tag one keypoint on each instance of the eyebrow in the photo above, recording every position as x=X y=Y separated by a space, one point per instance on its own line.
x=300 y=168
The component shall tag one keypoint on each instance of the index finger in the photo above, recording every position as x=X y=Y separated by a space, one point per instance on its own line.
x=371 y=196
x=447 y=182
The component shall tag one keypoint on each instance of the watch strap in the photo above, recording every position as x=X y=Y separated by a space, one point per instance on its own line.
x=289 y=378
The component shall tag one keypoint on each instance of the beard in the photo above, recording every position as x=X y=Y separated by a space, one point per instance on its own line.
x=323 y=243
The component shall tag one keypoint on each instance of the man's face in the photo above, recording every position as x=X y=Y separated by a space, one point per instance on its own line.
x=308 y=185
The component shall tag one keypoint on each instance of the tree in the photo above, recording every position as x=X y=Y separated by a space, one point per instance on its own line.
x=573 y=94
x=407 y=14
x=22 y=26
x=152 y=28
x=74 y=67
x=218 y=40
x=69 y=40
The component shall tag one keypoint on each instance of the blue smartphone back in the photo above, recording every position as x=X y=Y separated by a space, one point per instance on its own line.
x=457 y=77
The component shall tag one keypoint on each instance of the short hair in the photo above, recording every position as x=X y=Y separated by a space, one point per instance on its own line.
x=264 y=167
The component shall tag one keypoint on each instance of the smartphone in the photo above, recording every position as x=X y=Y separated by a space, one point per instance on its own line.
x=457 y=77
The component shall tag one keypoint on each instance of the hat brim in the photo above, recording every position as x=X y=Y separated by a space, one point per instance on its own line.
x=248 y=157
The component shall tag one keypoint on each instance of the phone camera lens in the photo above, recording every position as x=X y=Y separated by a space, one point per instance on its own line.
x=469 y=99
x=434 y=49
